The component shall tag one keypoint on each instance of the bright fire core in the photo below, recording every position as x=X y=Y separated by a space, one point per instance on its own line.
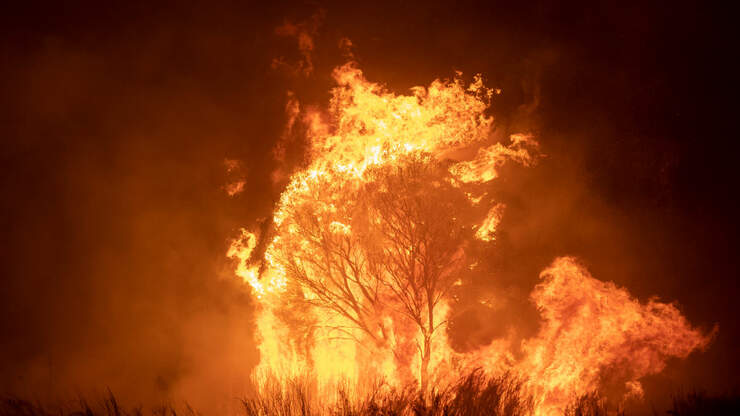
x=373 y=239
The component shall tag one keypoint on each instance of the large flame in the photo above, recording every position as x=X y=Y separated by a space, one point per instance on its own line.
x=370 y=239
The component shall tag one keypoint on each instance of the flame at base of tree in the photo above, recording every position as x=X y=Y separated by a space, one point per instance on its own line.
x=372 y=239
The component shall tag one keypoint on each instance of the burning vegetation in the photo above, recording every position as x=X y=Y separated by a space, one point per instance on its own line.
x=358 y=276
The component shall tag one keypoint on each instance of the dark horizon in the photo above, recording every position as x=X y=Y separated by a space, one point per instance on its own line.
x=117 y=121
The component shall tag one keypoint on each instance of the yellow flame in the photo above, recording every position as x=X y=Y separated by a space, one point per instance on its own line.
x=325 y=312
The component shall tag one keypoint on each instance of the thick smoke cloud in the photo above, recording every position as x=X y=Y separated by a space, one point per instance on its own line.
x=117 y=122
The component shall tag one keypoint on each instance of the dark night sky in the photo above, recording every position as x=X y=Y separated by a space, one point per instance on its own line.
x=116 y=121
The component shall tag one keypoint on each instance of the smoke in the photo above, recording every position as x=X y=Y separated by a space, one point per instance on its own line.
x=116 y=123
x=116 y=217
x=304 y=34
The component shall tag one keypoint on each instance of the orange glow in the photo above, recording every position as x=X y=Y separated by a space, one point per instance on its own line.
x=368 y=240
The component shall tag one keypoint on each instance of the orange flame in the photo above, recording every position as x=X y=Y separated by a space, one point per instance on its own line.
x=594 y=333
x=369 y=239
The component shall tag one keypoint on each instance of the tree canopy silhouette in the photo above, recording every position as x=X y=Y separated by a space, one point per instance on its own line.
x=370 y=255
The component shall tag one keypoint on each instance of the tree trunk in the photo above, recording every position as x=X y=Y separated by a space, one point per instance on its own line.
x=424 y=371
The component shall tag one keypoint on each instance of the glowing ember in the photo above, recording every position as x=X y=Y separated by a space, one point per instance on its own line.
x=370 y=238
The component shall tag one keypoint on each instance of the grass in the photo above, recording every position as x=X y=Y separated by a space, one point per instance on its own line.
x=108 y=406
x=698 y=403
x=590 y=405
x=472 y=395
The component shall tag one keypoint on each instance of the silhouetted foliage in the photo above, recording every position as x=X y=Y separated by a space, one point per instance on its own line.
x=697 y=403
x=472 y=395
x=588 y=405
x=108 y=406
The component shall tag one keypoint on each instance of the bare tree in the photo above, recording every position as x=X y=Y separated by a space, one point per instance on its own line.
x=391 y=245
x=319 y=246
x=420 y=239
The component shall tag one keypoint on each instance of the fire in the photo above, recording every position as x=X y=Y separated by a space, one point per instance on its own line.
x=594 y=333
x=371 y=237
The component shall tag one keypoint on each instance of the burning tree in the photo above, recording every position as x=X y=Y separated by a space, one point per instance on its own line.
x=378 y=255
x=369 y=238
x=419 y=238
